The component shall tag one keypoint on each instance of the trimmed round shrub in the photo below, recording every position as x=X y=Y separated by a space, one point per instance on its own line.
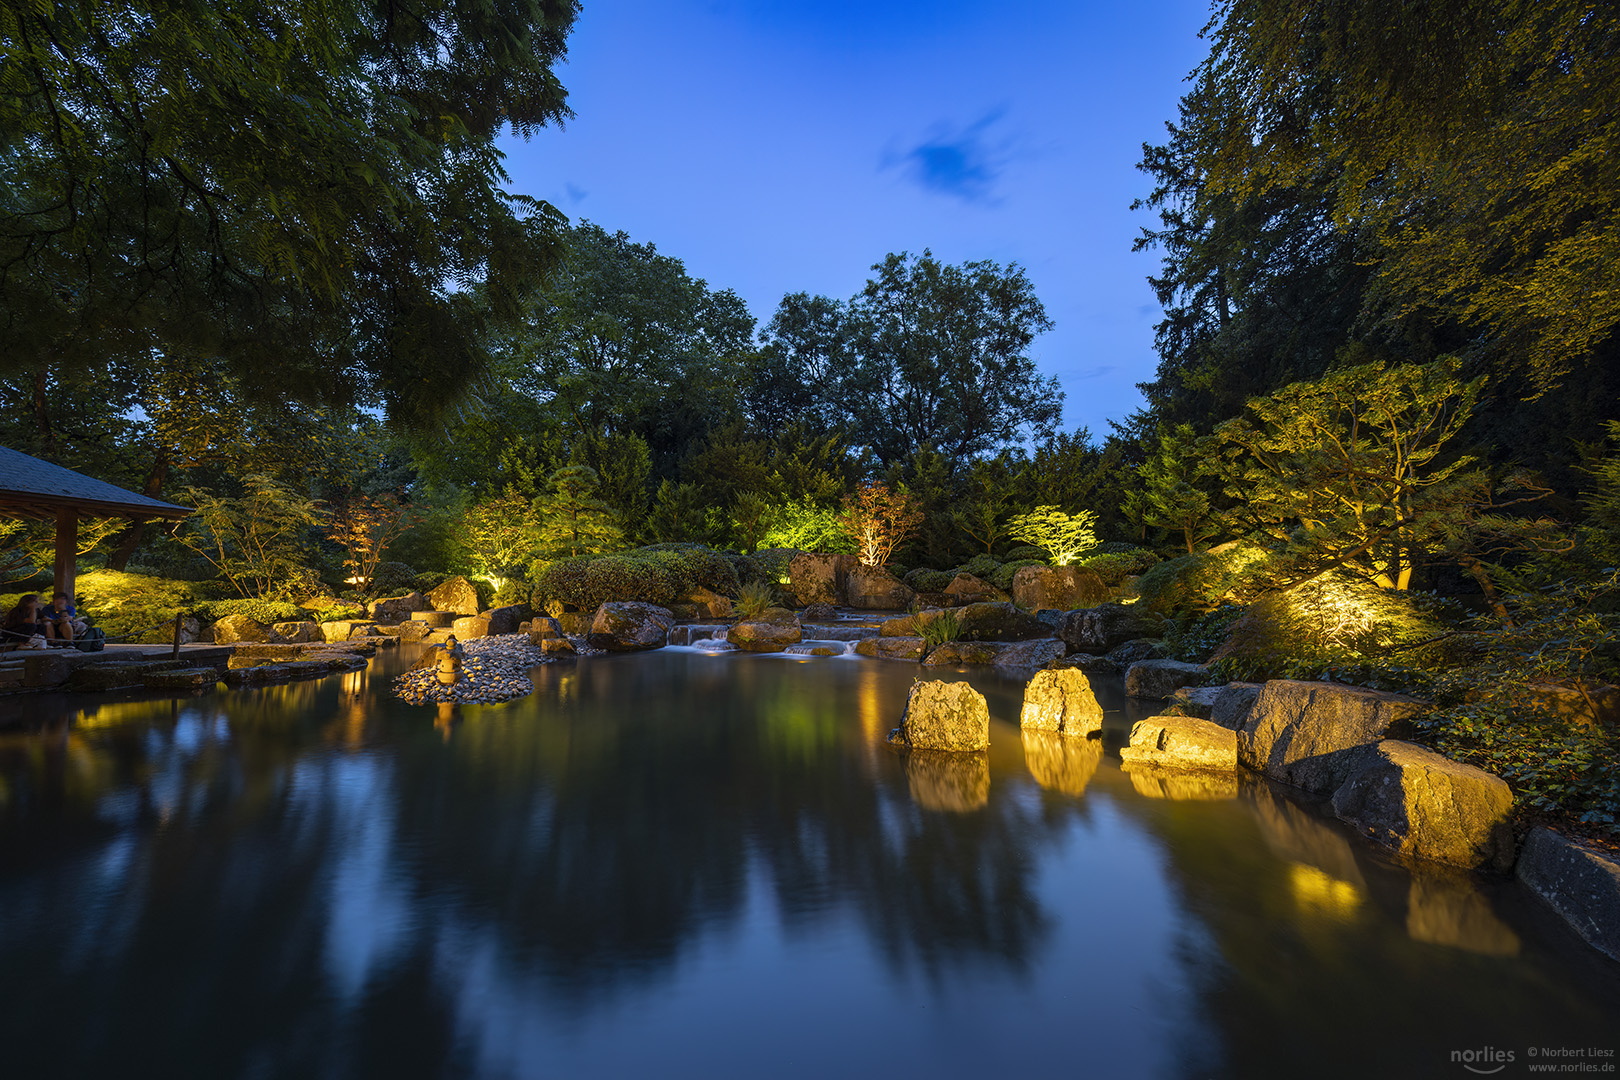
x=980 y=566
x=747 y=569
x=267 y=612
x=1193 y=584
x=1114 y=567
x=1026 y=552
x=1003 y=577
x=589 y=581
x=773 y=564
x=923 y=579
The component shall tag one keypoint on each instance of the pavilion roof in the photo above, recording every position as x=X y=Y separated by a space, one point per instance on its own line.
x=33 y=488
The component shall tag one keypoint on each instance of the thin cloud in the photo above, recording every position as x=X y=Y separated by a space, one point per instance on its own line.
x=1093 y=373
x=960 y=162
x=575 y=193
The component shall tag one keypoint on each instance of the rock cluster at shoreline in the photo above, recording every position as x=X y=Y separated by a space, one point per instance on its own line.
x=493 y=669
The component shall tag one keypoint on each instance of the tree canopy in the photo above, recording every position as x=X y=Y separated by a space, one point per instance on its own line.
x=311 y=193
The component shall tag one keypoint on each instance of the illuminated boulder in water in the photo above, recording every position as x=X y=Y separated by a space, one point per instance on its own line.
x=1314 y=735
x=629 y=626
x=1181 y=742
x=944 y=716
x=1061 y=701
x=773 y=630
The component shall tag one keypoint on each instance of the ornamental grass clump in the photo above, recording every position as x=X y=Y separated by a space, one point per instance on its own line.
x=941 y=628
x=754 y=599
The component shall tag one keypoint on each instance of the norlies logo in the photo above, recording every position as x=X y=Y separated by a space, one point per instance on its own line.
x=1484 y=1061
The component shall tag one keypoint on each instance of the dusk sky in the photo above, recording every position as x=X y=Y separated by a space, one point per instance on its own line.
x=778 y=147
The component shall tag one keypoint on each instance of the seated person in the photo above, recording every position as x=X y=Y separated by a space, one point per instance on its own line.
x=66 y=624
x=24 y=623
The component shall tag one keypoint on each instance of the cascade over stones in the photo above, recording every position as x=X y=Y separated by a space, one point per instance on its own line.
x=456 y=595
x=1411 y=799
x=1182 y=742
x=1312 y=735
x=1061 y=701
x=820 y=579
x=771 y=631
x=629 y=626
x=943 y=716
x=1063 y=588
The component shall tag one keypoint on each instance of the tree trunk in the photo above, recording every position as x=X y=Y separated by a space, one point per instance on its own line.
x=131 y=537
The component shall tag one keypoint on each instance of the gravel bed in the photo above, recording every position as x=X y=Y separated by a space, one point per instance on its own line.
x=492 y=669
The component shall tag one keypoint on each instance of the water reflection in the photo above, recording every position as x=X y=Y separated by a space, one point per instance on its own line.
x=664 y=852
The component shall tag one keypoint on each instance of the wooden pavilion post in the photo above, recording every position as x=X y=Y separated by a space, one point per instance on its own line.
x=67 y=549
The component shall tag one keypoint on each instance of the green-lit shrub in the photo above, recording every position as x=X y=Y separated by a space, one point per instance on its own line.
x=1115 y=566
x=923 y=579
x=132 y=607
x=331 y=609
x=1026 y=551
x=1193 y=584
x=267 y=612
x=754 y=598
x=1003 y=576
x=589 y=581
x=690 y=566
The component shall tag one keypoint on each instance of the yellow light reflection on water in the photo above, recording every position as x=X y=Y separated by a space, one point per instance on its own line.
x=1321 y=894
x=872 y=725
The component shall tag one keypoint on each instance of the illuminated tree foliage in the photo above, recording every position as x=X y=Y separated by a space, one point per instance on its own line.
x=573 y=520
x=879 y=519
x=364 y=526
x=1065 y=537
x=258 y=542
x=1352 y=469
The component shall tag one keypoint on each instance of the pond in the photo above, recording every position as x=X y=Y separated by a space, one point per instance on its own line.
x=690 y=864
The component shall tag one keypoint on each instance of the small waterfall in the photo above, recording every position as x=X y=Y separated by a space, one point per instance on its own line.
x=822 y=647
x=695 y=633
x=833 y=632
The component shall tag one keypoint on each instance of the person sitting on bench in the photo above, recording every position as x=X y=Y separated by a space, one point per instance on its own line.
x=24 y=623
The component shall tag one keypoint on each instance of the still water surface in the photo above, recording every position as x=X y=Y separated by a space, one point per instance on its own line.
x=676 y=864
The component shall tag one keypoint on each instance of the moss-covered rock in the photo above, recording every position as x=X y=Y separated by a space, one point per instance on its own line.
x=772 y=630
x=944 y=716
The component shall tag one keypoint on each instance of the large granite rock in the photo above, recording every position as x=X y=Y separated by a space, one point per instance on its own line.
x=955 y=783
x=1061 y=587
x=943 y=716
x=772 y=630
x=1581 y=882
x=471 y=626
x=508 y=619
x=1060 y=763
x=1158 y=679
x=710 y=604
x=457 y=595
x=546 y=632
x=997 y=622
x=968 y=589
x=818 y=613
x=628 y=626
x=435 y=620
x=1061 y=701
x=1105 y=627
x=956 y=653
x=872 y=588
x=1233 y=702
x=820 y=579
x=1409 y=798
x=1026 y=655
x=1181 y=742
x=398 y=609
x=1134 y=652
x=296 y=631
x=230 y=629
x=411 y=630
x=1196 y=701
x=892 y=648
x=1314 y=735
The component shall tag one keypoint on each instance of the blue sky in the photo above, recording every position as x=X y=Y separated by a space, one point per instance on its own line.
x=779 y=147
